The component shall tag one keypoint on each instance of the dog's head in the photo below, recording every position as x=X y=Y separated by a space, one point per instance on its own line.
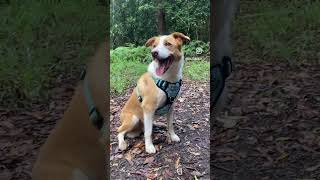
x=166 y=49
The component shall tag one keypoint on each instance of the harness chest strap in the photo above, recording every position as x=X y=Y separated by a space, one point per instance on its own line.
x=94 y=114
x=170 y=89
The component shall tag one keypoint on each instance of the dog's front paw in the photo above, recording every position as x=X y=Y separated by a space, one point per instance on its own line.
x=150 y=149
x=175 y=138
x=123 y=145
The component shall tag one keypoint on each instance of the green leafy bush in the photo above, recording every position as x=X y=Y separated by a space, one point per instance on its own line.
x=196 y=48
x=131 y=53
x=127 y=64
x=39 y=40
x=289 y=31
x=125 y=74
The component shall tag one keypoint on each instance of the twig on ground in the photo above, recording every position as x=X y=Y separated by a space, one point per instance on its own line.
x=222 y=168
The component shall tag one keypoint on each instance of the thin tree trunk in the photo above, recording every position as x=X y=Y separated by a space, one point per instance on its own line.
x=162 y=29
x=197 y=34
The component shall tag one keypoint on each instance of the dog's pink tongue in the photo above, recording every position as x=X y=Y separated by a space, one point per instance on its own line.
x=160 y=70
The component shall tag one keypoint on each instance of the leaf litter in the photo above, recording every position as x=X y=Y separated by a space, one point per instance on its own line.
x=277 y=126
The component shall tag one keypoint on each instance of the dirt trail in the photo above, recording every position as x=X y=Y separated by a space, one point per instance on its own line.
x=183 y=160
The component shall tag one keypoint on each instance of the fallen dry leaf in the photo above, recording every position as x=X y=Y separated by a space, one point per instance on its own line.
x=148 y=160
x=313 y=168
x=128 y=157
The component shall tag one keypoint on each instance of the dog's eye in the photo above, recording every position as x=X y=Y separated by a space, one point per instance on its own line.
x=167 y=44
x=154 y=46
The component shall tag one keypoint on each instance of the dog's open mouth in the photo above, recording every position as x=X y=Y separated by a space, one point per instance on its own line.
x=164 y=65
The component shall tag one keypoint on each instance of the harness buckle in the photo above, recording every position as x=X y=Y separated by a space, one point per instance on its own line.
x=83 y=74
x=226 y=66
x=96 y=117
x=219 y=73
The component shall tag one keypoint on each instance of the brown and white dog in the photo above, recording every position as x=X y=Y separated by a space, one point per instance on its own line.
x=75 y=149
x=167 y=64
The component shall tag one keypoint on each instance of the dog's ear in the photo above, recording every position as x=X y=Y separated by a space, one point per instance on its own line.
x=180 y=37
x=150 y=41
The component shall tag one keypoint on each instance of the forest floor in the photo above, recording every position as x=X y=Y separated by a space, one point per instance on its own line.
x=272 y=130
x=23 y=131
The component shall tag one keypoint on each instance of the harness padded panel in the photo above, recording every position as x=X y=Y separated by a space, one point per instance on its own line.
x=170 y=89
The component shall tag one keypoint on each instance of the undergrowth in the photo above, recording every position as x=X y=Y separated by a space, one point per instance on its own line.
x=279 y=30
x=39 y=40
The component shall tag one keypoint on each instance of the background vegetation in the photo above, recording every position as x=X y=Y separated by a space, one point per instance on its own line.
x=134 y=22
x=273 y=30
x=41 y=40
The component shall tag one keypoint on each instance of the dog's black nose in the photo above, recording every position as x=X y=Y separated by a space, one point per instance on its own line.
x=154 y=54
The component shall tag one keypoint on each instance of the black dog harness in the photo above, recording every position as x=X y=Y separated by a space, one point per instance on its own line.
x=170 y=89
x=219 y=73
x=94 y=114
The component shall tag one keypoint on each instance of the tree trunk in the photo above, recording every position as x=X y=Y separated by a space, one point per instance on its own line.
x=161 y=20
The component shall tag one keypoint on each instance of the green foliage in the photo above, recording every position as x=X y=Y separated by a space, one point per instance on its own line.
x=131 y=53
x=136 y=21
x=42 y=39
x=197 y=70
x=125 y=74
x=190 y=17
x=196 y=48
x=127 y=64
x=286 y=30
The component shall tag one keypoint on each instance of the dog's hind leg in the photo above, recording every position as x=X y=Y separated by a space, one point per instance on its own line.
x=135 y=133
x=138 y=129
x=130 y=122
